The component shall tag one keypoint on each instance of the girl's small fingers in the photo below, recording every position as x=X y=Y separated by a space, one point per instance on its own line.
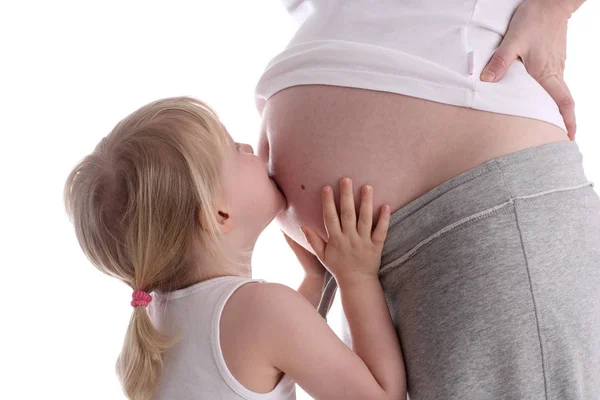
x=365 y=218
x=315 y=242
x=380 y=232
x=330 y=214
x=287 y=238
x=347 y=209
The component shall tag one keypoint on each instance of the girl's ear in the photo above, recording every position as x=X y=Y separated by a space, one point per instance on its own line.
x=223 y=219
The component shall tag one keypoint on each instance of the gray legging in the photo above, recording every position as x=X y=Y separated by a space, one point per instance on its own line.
x=493 y=281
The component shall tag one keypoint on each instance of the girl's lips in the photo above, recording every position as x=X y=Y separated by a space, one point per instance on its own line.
x=275 y=182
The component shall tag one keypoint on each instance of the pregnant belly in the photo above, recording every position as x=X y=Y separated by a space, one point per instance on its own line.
x=314 y=135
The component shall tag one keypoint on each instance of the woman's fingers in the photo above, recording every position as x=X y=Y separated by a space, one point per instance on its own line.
x=330 y=214
x=559 y=91
x=315 y=241
x=499 y=63
x=365 y=217
x=537 y=33
x=380 y=232
x=347 y=209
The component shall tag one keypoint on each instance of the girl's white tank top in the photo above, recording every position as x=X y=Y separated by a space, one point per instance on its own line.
x=430 y=49
x=194 y=368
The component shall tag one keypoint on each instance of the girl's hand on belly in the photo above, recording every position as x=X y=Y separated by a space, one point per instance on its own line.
x=353 y=250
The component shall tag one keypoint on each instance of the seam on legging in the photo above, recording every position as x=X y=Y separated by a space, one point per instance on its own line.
x=565 y=189
x=535 y=311
x=439 y=191
x=471 y=219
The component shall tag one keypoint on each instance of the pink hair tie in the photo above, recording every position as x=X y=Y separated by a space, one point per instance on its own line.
x=140 y=298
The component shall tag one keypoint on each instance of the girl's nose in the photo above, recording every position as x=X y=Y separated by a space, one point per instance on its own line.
x=248 y=148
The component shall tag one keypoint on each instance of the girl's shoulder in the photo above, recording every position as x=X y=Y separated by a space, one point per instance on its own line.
x=253 y=305
x=257 y=314
x=250 y=331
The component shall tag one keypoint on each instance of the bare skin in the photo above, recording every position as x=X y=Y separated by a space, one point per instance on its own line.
x=402 y=146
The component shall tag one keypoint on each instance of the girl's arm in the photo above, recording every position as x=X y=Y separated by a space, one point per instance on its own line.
x=294 y=339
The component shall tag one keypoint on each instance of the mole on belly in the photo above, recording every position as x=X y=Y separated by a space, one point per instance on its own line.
x=303 y=187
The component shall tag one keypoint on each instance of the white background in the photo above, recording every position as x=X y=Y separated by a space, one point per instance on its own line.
x=68 y=72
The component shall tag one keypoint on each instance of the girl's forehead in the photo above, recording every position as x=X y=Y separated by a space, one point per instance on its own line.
x=230 y=138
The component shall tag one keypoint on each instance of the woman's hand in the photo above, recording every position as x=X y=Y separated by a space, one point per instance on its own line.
x=353 y=250
x=311 y=264
x=538 y=35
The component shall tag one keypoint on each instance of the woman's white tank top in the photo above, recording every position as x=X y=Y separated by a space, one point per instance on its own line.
x=194 y=368
x=431 y=49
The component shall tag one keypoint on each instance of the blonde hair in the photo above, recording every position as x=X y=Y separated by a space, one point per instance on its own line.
x=143 y=209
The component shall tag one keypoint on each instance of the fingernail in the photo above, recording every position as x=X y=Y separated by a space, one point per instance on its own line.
x=488 y=76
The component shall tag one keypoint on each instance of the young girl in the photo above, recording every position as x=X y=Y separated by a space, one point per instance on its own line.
x=171 y=205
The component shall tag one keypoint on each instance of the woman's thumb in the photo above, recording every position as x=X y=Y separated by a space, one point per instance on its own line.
x=504 y=56
x=315 y=241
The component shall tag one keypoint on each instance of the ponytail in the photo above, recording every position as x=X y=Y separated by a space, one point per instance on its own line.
x=142 y=205
x=141 y=358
